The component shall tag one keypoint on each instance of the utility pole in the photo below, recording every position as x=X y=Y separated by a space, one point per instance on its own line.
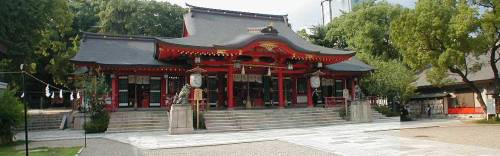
x=323 y=10
x=330 y=6
x=25 y=112
x=322 y=13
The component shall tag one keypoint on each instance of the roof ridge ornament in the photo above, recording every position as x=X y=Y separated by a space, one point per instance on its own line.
x=269 y=29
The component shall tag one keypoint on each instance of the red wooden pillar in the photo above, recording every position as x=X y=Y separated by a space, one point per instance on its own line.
x=294 y=91
x=163 y=91
x=230 y=71
x=309 y=94
x=353 y=88
x=281 y=93
x=114 y=93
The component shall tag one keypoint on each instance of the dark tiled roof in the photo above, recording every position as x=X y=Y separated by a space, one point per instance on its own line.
x=231 y=29
x=354 y=64
x=486 y=73
x=430 y=95
x=117 y=50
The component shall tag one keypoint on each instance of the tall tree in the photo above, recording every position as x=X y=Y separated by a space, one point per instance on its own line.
x=366 y=29
x=36 y=33
x=442 y=34
x=490 y=34
x=136 y=17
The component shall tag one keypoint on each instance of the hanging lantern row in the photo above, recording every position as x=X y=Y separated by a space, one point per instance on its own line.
x=50 y=94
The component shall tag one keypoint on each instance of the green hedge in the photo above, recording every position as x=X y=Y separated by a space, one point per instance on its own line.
x=386 y=111
x=11 y=115
x=98 y=123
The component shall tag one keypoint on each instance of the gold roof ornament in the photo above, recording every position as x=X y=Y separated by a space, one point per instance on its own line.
x=268 y=45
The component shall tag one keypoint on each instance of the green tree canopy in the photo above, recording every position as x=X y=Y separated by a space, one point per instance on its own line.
x=442 y=35
x=391 y=79
x=137 y=17
x=366 y=29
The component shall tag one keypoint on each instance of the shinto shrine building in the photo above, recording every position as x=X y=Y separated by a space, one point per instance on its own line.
x=249 y=60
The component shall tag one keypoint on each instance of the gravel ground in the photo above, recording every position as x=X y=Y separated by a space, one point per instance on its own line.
x=466 y=134
x=274 y=148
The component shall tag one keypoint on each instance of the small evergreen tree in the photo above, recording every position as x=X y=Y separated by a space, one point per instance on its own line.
x=11 y=115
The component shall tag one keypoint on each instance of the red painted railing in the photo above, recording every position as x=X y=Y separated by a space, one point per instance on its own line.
x=465 y=110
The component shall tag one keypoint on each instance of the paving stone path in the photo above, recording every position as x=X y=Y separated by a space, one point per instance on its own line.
x=381 y=138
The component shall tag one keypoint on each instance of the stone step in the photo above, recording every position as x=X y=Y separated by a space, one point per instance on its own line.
x=254 y=121
x=270 y=117
x=138 y=118
x=218 y=121
x=138 y=121
x=234 y=128
x=135 y=125
x=271 y=114
x=288 y=125
x=144 y=129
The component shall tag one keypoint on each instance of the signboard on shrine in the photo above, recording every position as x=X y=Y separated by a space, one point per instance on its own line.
x=490 y=106
x=198 y=94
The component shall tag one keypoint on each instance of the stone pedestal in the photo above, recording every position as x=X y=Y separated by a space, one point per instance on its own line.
x=181 y=119
x=361 y=111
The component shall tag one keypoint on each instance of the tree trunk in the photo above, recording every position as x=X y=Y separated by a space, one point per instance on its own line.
x=471 y=85
x=493 y=65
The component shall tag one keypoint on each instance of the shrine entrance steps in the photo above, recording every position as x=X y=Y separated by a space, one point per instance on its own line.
x=138 y=121
x=45 y=119
x=239 y=120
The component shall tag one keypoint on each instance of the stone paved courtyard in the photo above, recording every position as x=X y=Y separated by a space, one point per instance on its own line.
x=381 y=138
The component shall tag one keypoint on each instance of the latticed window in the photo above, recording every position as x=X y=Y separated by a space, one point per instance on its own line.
x=155 y=91
x=123 y=91
x=339 y=87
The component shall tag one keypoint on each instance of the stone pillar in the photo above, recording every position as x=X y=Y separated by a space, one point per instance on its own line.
x=230 y=71
x=309 y=95
x=181 y=119
x=360 y=111
x=114 y=92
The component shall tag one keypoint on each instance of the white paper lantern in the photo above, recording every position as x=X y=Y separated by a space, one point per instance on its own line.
x=195 y=80
x=71 y=96
x=60 y=94
x=47 y=91
x=315 y=81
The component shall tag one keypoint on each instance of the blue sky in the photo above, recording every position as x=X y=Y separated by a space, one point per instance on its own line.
x=301 y=13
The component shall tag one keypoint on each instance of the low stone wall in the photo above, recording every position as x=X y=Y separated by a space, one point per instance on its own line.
x=75 y=120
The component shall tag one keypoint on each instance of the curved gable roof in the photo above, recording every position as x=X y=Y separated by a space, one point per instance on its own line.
x=231 y=29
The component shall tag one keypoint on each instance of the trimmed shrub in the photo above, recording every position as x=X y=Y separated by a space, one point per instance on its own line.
x=98 y=123
x=386 y=111
x=11 y=115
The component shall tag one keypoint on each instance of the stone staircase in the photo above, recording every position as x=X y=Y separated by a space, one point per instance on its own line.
x=43 y=121
x=238 y=120
x=138 y=121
